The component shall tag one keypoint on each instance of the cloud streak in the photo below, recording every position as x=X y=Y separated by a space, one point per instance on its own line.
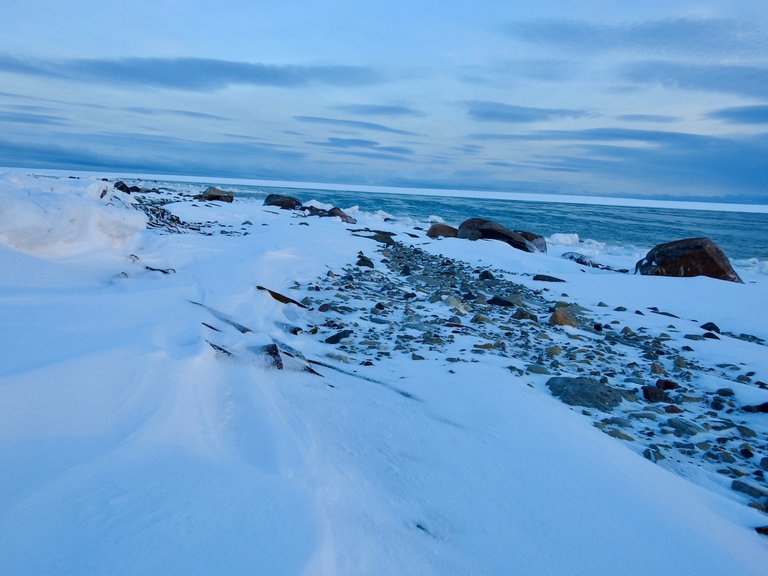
x=356 y=124
x=190 y=74
x=377 y=110
x=497 y=112
x=668 y=35
x=751 y=81
x=742 y=114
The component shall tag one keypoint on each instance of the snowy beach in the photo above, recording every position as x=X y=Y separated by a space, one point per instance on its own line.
x=197 y=387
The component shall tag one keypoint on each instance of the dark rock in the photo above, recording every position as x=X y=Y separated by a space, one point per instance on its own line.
x=487 y=275
x=283 y=202
x=523 y=314
x=215 y=195
x=711 y=336
x=364 y=261
x=537 y=240
x=346 y=218
x=710 y=327
x=584 y=392
x=499 y=301
x=672 y=409
x=664 y=384
x=481 y=229
x=748 y=489
x=122 y=187
x=688 y=257
x=338 y=337
x=653 y=394
x=442 y=230
x=760 y=408
x=545 y=278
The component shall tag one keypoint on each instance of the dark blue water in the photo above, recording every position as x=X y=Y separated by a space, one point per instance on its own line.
x=740 y=234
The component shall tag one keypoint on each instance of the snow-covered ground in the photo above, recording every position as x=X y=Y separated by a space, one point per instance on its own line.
x=130 y=444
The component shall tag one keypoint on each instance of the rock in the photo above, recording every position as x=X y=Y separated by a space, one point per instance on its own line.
x=283 y=202
x=545 y=278
x=672 y=409
x=710 y=327
x=561 y=317
x=346 y=218
x=764 y=463
x=537 y=240
x=653 y=394
x=499 y=301
x=364 y=261
x=664 y=384
x=481 y=229
x=683 y=427
x=688 y=257
x=442 y=230
x=338 y=337
x=724 y=392
x=122 y=187
x=487 y=275
x=748 y=489
x=213 y=194
x=523 y=314
x=584 y=392
x=759 y=408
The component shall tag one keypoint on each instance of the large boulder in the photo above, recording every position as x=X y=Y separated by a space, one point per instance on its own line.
x=283 y=202
x=688 y=257
x=346 y=218
x=213 y=194
x=537 y=240
x=482 y=229
x=438 y=230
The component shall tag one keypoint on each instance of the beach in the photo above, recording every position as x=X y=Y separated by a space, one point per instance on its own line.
x=193 y=386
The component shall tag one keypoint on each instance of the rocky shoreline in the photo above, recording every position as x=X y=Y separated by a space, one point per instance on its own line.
x=642 y=385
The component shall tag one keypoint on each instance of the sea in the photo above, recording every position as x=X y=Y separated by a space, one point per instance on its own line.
x=741 y=235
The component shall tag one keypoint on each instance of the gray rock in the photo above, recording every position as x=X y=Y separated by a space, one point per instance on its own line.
x=584 y=392
x=749 y=489
x=684 y=427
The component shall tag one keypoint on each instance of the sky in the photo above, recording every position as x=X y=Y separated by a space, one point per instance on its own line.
x=653 y=99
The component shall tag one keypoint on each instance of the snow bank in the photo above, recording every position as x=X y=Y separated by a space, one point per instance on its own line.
x=54 y=218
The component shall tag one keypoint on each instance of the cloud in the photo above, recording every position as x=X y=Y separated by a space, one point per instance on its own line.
x=192 y=74
x=757 y=114
x=685 y=36
x=498 y=112
x=172 y=112
x=351 y=124
x=510 y=72
x=373 y=145
x=659 y=118
x=377 y=110
x=27 y=118
x=749 y=81
x=657 y=159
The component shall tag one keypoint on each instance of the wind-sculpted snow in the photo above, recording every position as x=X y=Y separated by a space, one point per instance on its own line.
x=146 y=427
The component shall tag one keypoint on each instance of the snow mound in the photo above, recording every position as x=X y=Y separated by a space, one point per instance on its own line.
x=66 y=219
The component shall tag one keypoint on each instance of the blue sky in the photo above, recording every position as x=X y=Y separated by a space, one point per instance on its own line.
x=651 y=99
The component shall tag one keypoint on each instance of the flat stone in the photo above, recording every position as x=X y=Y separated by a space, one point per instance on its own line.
x=584 y=392
x=749 y=489
x=684 y=427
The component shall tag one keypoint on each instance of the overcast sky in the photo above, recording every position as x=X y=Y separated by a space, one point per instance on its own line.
x=652 y=98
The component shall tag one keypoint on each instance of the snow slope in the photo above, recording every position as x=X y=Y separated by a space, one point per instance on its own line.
x=128 y=445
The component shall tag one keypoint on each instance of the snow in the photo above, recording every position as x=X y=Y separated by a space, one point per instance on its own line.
x=128 y=445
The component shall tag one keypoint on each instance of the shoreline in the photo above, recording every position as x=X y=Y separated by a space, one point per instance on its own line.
x=460 y=193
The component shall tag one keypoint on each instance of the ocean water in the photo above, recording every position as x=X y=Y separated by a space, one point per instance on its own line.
x=741 y=235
